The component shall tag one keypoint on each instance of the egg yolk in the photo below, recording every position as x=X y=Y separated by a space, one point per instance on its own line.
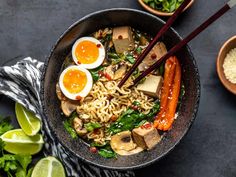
x=86 y=52
x=74 y=81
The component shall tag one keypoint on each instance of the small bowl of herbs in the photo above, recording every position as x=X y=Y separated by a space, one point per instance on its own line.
x=163 y=7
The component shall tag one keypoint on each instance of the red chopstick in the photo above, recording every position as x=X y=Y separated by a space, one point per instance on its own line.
x=154 y=41
x=182 y=43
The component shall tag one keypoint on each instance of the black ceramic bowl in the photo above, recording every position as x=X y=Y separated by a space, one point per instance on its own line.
x=144 y=22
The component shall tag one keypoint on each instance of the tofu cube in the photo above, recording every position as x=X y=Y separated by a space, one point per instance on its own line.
x=151 y=86
x=156 y=53
x=123 y=39
x=146 y=137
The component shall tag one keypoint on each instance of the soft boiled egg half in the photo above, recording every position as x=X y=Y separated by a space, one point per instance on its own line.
x=88 y=52
x=75 y=82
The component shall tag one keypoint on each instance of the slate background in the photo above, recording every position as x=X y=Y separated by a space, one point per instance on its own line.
x=31 y=27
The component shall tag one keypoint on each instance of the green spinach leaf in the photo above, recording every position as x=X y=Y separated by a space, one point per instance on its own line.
x=107 y=152
x=95 y=73
x=130 y=58
x=68 y=125
x=92 y=125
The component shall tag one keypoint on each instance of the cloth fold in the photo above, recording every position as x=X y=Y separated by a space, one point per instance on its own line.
x=21 y=83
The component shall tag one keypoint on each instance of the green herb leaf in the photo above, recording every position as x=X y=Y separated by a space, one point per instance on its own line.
x=130 y=58
x=136 y=103
x=68 y=125
x=126 y=121
x=155 y=109
x=24 y=160
x=69 y=129
x=107 y=38
x=139 y=50
x=107 y=152
x=2 y=144
x=5 y=125
x=94 y=73
x=162 y=69
x=164 y=5
x=140 y=123
x=136 y=73
x=132 y=118
x=115 y=58
x=20 y=172
x=30 y=172
x=92 y=125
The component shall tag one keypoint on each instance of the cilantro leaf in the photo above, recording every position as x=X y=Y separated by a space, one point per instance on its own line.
x=2 y=144
x=5 y=125
x=24 y=160
x=20 y=172
x=30 y=172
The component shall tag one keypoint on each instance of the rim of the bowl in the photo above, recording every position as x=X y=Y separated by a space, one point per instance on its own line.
x=227 y=84
x=159 y=12
x=195 y=110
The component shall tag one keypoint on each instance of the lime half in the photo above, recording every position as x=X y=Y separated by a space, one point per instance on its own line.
x=48 y=167
x=29 y=123
x=17 y=142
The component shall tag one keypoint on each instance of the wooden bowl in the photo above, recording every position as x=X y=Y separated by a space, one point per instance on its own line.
x=227 y=46
x=159 y=12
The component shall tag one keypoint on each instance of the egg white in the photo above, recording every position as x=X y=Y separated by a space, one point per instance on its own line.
x=101 y=55
x=82 y=93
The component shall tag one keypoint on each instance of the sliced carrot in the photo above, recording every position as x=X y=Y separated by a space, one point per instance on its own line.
x=168 y=79
x=165 y=118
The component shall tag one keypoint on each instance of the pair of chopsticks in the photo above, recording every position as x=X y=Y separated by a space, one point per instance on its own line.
x=178 y=46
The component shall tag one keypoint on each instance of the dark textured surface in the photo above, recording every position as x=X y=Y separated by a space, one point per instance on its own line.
x=31 y=27
x=100 y=20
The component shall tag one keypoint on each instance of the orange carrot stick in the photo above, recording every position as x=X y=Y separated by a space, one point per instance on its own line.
x=168 y=79
x=165 y=118
x=173 y=102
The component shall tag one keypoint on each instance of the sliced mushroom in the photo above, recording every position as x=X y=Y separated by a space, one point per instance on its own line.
x=120 y=72
x=69 y=106
x=143 y=40
x=84 y=117
x=78 y=126
x=59 y=93
x=110 y=70
x=123 y=144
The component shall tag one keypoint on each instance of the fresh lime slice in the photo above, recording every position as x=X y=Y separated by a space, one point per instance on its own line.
x=17 y=142
x=48 y=167
x=29 y=123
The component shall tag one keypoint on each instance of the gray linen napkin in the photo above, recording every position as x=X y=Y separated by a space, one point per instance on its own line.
x=22 y=82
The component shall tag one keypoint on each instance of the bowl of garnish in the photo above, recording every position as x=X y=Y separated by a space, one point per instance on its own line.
x=163 y=7
x=226 y=64
x=111 y=126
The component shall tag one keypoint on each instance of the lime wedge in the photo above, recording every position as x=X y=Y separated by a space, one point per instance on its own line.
x=29 y=123
x=48 y=167
x=17 y=142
